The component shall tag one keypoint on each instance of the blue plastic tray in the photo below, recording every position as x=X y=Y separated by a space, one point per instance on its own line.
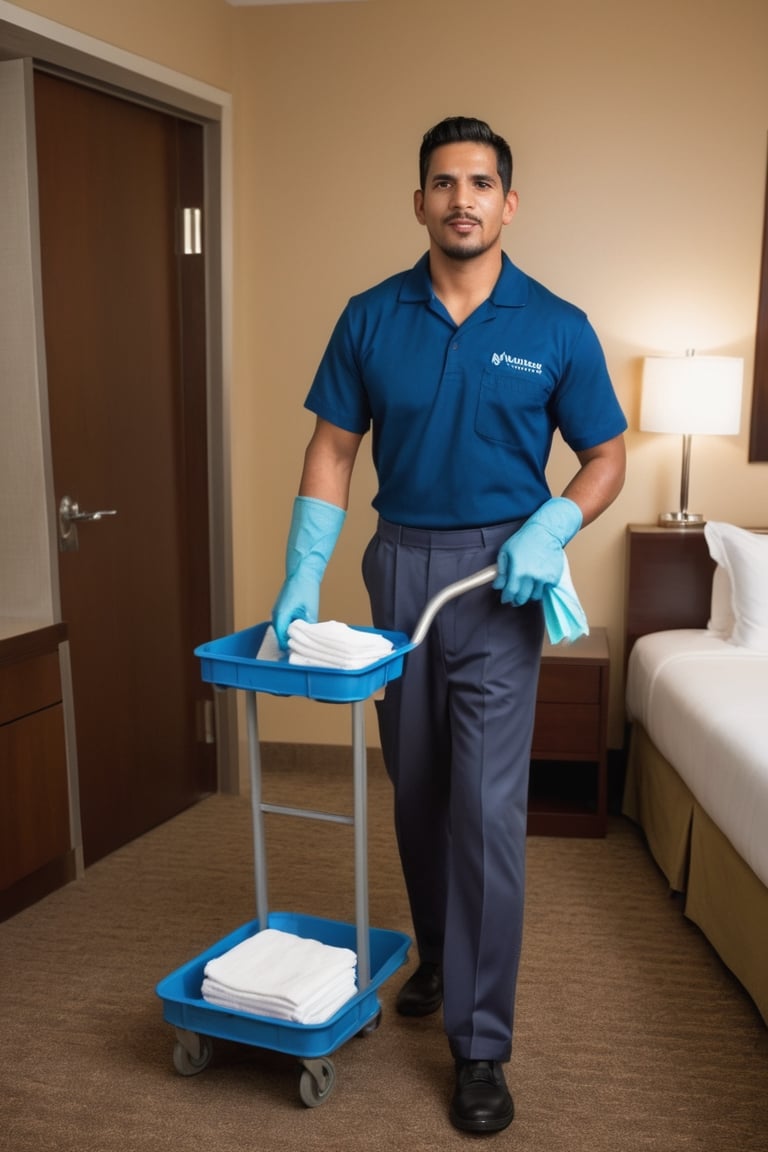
x=184 y=1006
x=231 y=662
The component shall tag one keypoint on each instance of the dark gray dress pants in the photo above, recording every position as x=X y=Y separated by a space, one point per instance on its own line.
x=456 y=732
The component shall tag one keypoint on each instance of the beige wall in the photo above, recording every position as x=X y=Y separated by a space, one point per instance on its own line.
x=639 y=135
x=25 y=557
x=189 y=36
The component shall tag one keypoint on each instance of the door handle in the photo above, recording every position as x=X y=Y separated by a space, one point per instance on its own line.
x=69 y=515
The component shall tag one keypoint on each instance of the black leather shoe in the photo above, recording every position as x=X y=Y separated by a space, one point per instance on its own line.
x=481 y=1102
x=422 y=994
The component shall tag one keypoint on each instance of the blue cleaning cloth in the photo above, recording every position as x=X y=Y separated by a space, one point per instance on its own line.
x=564 y=617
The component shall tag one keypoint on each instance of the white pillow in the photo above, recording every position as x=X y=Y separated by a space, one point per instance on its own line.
x=744 y=555
x=721 y=619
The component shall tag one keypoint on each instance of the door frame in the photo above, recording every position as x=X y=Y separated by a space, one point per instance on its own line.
x=83 y=58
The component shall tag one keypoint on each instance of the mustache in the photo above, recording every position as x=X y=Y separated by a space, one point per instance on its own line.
x=461 y=216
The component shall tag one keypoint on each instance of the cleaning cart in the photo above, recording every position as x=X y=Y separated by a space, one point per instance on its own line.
x=233 y=662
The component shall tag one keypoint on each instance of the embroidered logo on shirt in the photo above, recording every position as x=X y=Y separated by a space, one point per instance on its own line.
x=518 y=362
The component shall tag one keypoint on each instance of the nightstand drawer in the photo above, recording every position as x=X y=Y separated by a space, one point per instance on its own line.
x=560 y=682
x=566 y=731
x=568 y=787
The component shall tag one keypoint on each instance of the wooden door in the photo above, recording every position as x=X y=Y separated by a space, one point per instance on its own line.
x=124 y=326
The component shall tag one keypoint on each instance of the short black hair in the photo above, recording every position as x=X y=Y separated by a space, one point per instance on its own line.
x=457 y=130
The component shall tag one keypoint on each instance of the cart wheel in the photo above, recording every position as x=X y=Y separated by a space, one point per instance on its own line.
x=188 y=1065
x=371 y=1026
x=316 y=1082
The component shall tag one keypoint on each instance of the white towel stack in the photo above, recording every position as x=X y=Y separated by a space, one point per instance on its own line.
x=284 y=976
x=331 y=644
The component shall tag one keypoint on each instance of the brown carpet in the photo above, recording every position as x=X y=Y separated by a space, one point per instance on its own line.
x=630 y=1033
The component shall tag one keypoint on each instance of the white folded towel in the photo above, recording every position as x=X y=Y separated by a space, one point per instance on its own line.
x=315 y=1010
x=331 y=644
x=278 y=974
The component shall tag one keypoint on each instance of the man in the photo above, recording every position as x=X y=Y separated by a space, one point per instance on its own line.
x=462 y=367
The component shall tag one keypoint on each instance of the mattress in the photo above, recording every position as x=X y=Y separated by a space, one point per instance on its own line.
x=704 y=703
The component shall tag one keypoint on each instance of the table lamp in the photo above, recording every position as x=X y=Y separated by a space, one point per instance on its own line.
x=690 y=395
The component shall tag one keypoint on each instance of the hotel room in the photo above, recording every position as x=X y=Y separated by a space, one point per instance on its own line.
x=640 y=142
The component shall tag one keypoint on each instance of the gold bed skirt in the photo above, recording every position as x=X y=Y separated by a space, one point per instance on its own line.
x=721 y=892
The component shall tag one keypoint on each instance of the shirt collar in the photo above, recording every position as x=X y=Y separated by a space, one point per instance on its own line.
x=510 y=290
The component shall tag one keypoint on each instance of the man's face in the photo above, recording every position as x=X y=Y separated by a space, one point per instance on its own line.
x=463 y=205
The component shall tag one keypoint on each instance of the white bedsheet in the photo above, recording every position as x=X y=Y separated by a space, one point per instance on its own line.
x=704 y=703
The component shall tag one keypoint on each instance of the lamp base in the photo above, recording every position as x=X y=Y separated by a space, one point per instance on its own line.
x=681 y=520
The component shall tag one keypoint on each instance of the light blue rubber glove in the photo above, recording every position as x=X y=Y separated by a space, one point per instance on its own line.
x=315 y=528
x=533 y=558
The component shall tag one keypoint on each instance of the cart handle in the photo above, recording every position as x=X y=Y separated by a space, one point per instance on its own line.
x=458 y=588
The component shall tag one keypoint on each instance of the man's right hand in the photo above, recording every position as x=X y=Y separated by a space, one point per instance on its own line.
x=299 y=599
x=315 y=528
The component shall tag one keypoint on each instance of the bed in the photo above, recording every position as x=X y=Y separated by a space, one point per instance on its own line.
x=697 y=768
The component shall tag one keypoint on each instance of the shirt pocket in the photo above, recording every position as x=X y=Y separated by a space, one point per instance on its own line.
x=510 y=407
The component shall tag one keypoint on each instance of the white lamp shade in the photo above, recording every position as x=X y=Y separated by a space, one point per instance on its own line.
x=692 y=395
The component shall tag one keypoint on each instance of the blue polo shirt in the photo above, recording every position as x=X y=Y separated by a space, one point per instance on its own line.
x=462 y=417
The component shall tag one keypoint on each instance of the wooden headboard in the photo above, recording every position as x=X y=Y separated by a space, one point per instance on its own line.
x=669 y=580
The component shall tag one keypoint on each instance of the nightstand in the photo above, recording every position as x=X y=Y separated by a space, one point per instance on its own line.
x=568 y=793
